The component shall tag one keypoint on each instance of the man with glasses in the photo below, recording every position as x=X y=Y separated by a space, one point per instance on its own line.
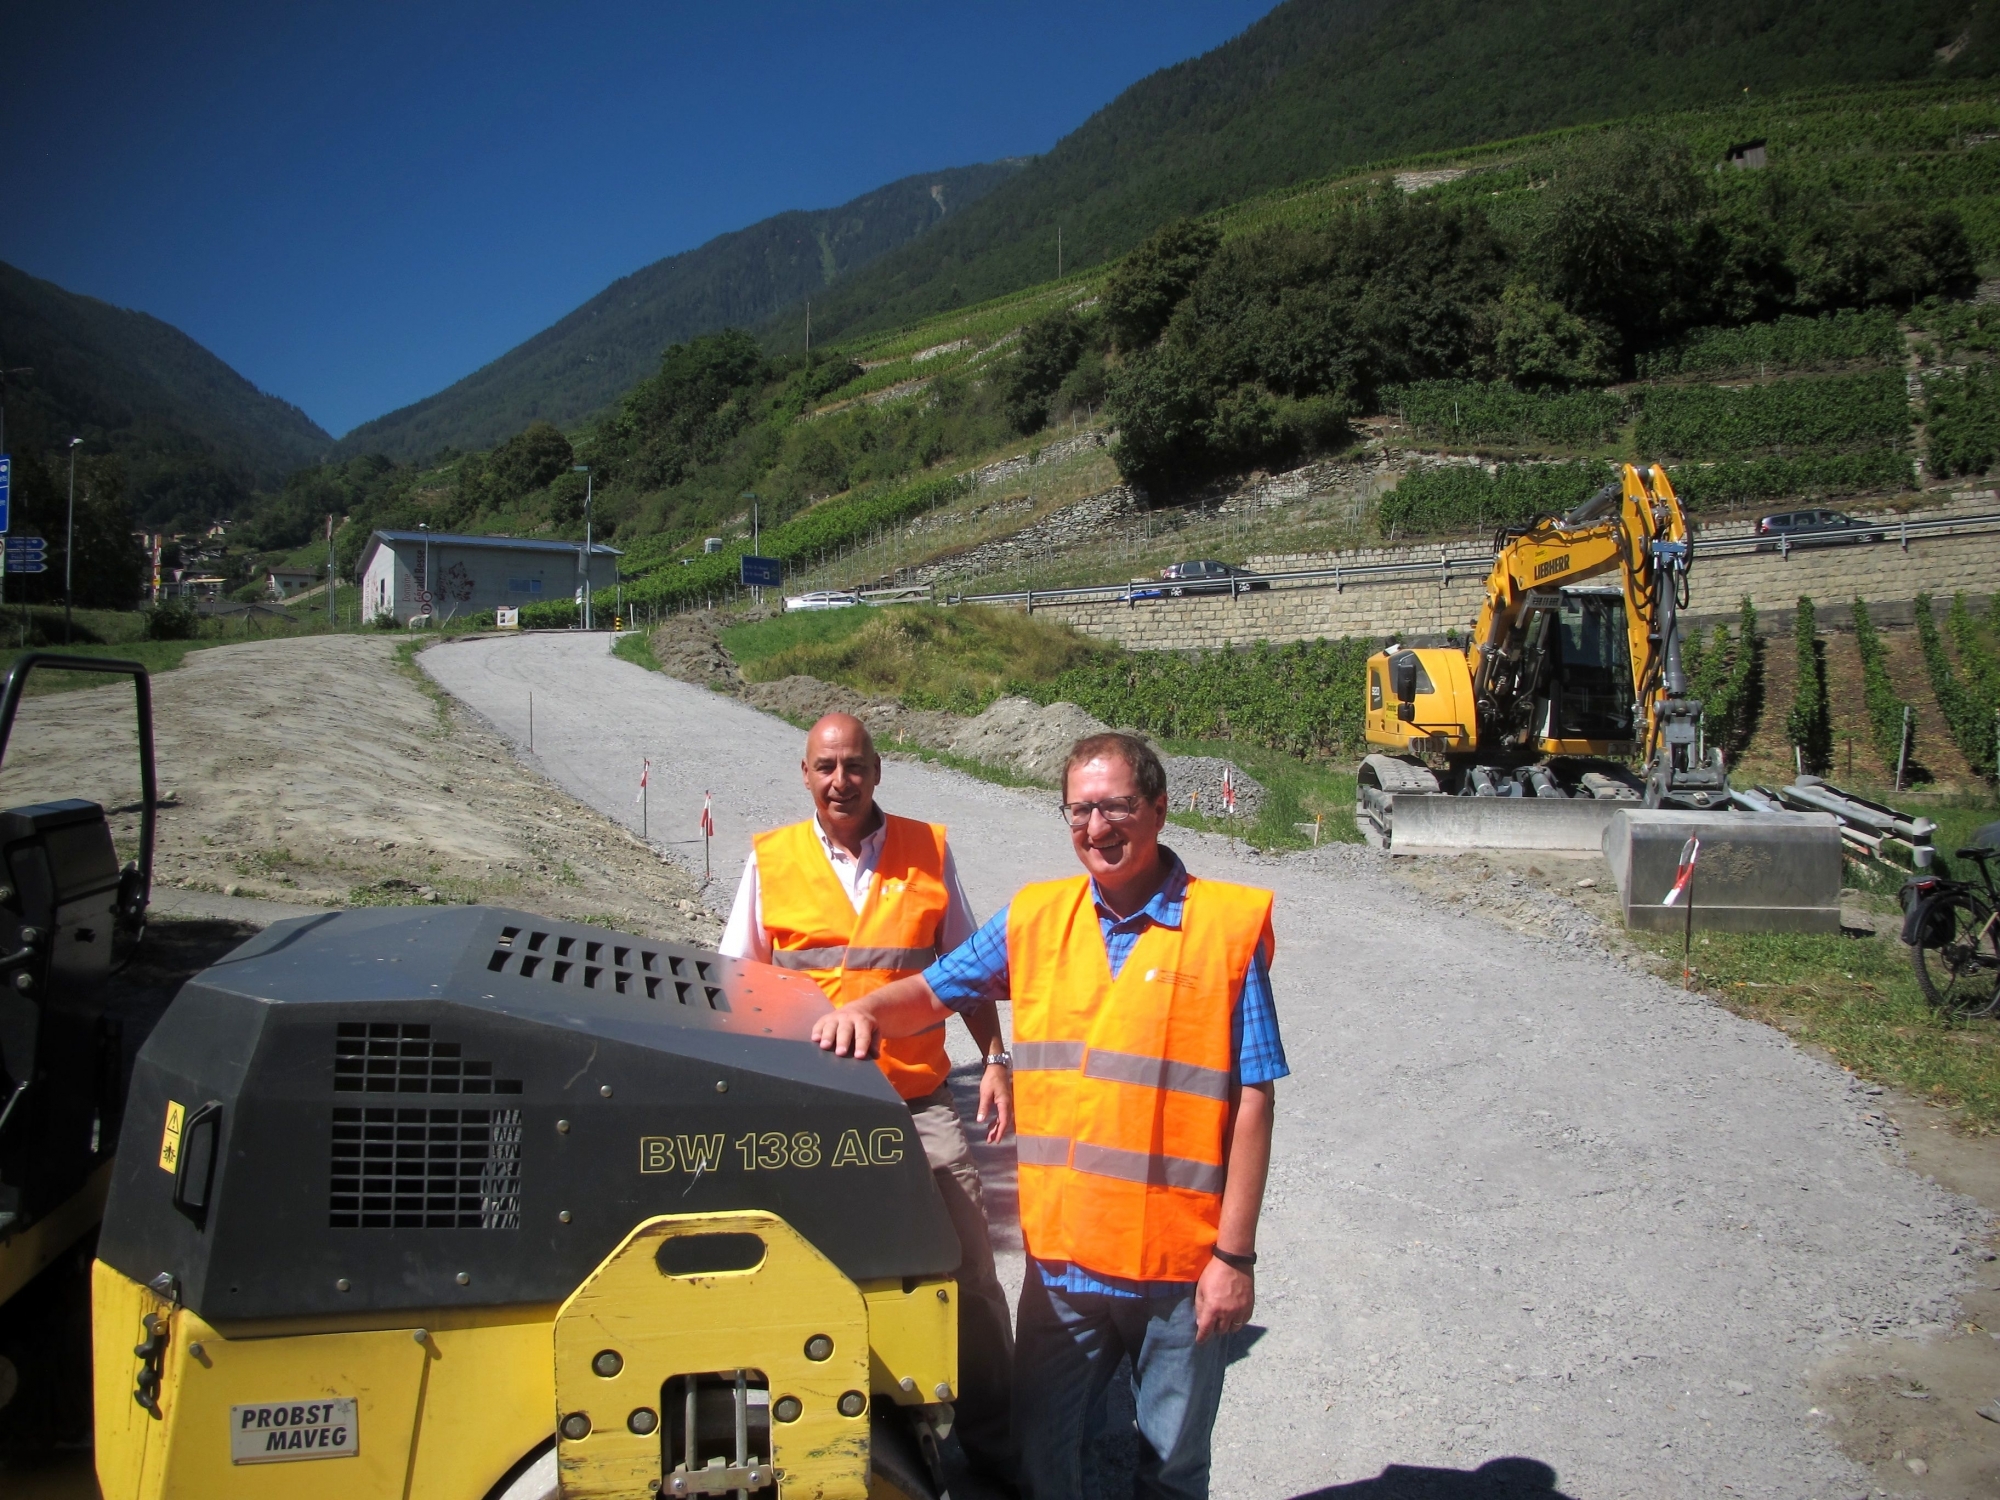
x=1146 y=1049
x=855 y=898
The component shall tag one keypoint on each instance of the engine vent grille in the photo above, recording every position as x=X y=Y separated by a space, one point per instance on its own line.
x=402 y=1057
x=403 y=1168
x=619 y=968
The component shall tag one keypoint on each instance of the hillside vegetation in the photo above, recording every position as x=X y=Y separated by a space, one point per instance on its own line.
x=1319 y=86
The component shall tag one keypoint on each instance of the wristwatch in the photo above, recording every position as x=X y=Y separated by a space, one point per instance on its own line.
x=1235 y=1262
x=1001 y=1059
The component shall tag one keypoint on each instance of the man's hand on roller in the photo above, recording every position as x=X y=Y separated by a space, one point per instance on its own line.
x=847 y=1032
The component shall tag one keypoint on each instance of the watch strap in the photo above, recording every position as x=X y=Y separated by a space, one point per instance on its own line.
x=1236 y=1262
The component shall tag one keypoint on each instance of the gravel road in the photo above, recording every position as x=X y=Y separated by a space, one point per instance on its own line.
x=1526 y=1203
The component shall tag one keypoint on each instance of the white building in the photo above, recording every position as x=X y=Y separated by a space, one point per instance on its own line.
x=285 y=582
x=401 y=571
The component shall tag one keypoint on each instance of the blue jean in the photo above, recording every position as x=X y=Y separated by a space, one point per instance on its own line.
x=1067 y=1348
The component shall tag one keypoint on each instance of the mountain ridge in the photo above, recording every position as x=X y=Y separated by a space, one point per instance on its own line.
x=588 y=358
x=135 y=385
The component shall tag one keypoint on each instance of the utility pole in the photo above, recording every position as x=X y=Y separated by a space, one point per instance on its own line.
x=69 y=540
x=425 y=528
x=756 y=539
x=589 y=480
x=332 y=618
x=1058 y=252
x=809 y=325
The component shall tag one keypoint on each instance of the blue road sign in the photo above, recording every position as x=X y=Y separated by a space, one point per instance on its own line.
x=763 y=572
x=27 y=554
x=6 y=489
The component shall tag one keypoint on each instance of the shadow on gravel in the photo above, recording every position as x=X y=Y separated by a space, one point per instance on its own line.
x=1496 y=1479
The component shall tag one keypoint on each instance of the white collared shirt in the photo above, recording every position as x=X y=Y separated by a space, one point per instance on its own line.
x=746 y=937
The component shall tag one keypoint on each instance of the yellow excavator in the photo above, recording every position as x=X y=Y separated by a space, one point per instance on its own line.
x=1571 y=677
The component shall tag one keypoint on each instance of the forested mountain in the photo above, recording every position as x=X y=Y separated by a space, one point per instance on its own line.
x=189 y=433
x=585 y=362
x=1322 y=85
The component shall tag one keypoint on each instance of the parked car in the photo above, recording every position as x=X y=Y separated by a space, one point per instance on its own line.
x=822 y=599
x=1813 y=528
x=1208 y=578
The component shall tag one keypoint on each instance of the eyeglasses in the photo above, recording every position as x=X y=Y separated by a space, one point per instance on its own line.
x=1112 y=809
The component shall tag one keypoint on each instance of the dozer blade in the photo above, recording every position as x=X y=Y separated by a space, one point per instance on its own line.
x=1426 y=824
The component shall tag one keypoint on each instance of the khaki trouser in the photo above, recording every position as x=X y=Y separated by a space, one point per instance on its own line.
x=985 y=1326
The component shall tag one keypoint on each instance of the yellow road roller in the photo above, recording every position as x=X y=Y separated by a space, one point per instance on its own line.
x=469 y=1204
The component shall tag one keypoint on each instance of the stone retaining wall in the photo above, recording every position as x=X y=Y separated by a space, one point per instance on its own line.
x=1424 y=608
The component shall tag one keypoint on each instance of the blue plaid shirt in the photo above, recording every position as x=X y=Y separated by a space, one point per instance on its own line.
x=977 y=971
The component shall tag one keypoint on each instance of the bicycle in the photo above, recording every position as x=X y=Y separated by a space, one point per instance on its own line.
x=1953 y=929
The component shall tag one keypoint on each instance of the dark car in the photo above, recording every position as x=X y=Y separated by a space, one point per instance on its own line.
x=1813 y=528
x=1209 y=578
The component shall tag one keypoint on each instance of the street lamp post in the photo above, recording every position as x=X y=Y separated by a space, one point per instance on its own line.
x=425 y=592
x=69 y=540
x=589 y=482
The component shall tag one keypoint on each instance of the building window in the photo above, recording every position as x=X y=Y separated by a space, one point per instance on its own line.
x=524 y=585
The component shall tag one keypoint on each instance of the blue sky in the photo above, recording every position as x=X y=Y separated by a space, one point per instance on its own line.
x=357 y=204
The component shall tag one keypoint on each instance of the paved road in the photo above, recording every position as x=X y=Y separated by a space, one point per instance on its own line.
x=1525 y=1204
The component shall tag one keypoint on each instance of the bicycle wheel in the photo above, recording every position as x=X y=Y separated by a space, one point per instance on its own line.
x=1957 y=955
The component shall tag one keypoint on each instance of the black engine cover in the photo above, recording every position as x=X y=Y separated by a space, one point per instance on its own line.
x=406 y=1109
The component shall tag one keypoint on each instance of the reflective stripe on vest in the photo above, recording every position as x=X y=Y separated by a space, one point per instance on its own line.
x=908 y=960
x=1123 y=1088
x=814 y=928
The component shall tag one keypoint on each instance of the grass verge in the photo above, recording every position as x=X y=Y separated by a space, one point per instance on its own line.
x=636 y=648
x=155 y=656
x=1296 y=792
x=1857 y=998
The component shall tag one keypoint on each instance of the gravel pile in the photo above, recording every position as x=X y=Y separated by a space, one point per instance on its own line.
x=1021 y=734
x=1194 y=784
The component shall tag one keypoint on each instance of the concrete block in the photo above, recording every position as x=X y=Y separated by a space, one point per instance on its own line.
x=1757 y=872
x=1423 y=824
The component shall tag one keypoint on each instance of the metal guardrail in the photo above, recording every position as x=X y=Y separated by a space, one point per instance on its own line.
x=1898 y=532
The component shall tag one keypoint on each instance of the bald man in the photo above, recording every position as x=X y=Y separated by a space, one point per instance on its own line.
x=855 y=898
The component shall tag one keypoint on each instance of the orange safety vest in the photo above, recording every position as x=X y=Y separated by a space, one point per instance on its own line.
x=815 y=928
x=1124 y=1088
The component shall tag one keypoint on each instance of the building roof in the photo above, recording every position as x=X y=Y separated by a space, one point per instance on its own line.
x=503 y=543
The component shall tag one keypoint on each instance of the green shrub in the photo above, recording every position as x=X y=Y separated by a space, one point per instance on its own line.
x=1885 y=710
x=1959 y=327
x=1791 y=343
x=1809 y=725
x=172 y=620
x=1459 y=498
x=555 y=614
x=1837 y=412
x=1469 y=411
x=1962 y=414
x=1719 y=486
x=1304 y=699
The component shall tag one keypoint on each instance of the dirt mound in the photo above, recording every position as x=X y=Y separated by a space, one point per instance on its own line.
x=1024 y=736
x=690 y=647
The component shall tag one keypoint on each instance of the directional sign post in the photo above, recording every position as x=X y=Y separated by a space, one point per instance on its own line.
x=27 y=554
x=6 y=490
x=763 y=572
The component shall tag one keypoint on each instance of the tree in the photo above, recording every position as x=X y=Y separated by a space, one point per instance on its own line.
x=1142 y=294
x=1050 y=349
x=1611 y=233
x=1891 y=253
x=1539 y=342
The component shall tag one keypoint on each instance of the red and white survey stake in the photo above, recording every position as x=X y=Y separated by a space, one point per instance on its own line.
x=1684 y=873
x=707 y=833
x=1228 y=792
x=1683 y=892
x=645 y=775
